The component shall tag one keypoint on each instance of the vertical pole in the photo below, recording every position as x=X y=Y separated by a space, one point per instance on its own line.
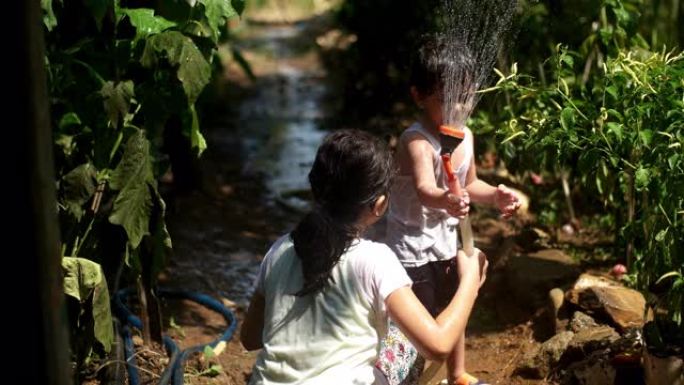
x=37 y=295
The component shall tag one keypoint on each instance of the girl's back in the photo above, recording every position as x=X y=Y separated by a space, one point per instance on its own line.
x=330 y=336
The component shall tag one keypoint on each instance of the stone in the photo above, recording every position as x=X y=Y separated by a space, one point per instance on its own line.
x=541 y=361
x=623 y=306
x=531 y=276
x=581 y=321
x=588 y=340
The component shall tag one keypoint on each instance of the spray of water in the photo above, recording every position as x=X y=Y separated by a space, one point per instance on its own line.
x=474 y=32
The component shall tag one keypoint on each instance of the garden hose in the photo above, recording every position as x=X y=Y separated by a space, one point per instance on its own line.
x=173 y=374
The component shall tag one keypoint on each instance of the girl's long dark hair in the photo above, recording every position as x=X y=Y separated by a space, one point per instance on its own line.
x=352 y=169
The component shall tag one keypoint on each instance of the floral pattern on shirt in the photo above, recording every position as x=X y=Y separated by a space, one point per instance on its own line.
x=398 y=359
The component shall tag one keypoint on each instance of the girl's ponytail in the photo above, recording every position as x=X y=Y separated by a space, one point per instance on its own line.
x=320 y=241
x=351 y=171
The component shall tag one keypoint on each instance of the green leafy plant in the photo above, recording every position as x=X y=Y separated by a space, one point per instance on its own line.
x=89 y=312
x=621 y=134
x=124 y=81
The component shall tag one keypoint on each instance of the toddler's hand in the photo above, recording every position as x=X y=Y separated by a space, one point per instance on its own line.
x=458 y=207
x=506 y=201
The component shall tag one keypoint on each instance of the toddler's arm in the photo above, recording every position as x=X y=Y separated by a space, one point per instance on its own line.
x=420 y=158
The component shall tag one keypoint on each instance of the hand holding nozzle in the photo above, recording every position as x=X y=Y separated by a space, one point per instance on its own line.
x=457 y=206
x=450 y=138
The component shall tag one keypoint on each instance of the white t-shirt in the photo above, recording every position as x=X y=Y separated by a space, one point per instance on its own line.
x=330 y=337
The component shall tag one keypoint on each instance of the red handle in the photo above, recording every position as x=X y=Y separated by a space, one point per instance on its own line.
x=452 y=181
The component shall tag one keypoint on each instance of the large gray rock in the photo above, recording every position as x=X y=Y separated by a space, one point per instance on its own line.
x=541 y=361
x=531 y=276
x=623 y=306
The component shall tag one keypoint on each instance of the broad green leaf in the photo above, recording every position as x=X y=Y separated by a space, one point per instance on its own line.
x=661 y=235
x=194 y=71
x=69 y=119
x=217 y=12
x=646 y=137
x=146 y=22
x=567 y=118
x=78 y=187
x=199 y=29
x=615 y=114
x=642 y=177
x=49 y=19
x=615 y=129
x=85 y=281
x=209 y=352
x=133 y=178
x=568 y=60
x=117 y=98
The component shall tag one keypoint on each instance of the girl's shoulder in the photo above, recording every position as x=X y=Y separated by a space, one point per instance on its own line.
x=277 y=249
x=377 y=270
x=369 y=257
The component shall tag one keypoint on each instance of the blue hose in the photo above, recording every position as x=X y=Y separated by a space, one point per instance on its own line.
x=174 y=371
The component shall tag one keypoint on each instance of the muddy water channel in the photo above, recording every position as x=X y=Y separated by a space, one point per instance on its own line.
x=254 y=174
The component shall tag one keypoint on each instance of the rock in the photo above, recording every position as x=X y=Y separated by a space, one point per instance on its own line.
x=589 y=340
x=594 y=370
x=586 y=281
x=581 y=321
x=531 y=276
x=540 y=362
x=623 y=306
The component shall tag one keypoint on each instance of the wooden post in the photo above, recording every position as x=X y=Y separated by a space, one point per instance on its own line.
x=37 y=296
